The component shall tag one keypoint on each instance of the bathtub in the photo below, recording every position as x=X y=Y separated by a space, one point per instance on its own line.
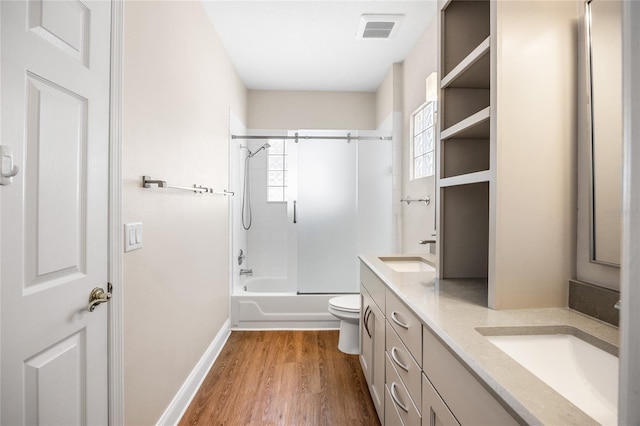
x=270 y=303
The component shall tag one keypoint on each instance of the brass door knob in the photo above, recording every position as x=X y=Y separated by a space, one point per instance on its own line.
x=97 y=296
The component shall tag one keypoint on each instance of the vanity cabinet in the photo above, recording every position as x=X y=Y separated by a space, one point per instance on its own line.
x=372 y=336
x=505 y=169
x=413 y=378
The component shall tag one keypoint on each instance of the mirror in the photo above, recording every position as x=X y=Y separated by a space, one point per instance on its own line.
x=604 y=62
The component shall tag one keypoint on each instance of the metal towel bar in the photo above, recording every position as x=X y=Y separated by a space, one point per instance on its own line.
x=409 y=200
x=147 y=182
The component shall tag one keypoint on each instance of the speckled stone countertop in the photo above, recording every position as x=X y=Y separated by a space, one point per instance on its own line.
x=454 y=309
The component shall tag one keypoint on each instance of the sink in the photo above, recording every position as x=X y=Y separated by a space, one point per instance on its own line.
x=582 y=372
x=407 y=264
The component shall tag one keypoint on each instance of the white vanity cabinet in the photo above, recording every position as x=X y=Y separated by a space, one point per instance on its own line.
x=414 y=379
x=372 y=335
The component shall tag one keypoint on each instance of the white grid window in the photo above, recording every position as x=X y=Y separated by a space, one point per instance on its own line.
x=277 y=175
x=423 y=140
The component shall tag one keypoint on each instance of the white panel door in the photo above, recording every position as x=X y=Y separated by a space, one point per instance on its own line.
x=54 y=116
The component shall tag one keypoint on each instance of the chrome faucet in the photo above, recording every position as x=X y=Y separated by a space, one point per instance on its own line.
x=247 y=272
x=617 y=305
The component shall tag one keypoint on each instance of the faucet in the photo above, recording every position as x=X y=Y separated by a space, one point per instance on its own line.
x=617 y=305
x=248 y=272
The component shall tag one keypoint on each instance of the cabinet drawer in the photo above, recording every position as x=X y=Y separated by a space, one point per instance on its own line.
x=391 y=415
x=405 y=323
x=373 y=284
x=434 y=410
x=469 y=401
x=406 y=367
x=400 y=399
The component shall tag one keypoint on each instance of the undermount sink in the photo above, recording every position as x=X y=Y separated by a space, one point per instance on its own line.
x=407 y=264
x=583 y=373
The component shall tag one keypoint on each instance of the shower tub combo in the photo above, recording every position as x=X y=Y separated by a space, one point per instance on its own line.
x=303 y=246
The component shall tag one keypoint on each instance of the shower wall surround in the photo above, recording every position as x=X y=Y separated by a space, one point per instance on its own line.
x=267 y=238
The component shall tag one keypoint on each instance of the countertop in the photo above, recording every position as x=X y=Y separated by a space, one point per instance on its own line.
x=453 y=309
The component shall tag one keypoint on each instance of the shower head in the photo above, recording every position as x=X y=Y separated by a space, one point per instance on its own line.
x=265 y=146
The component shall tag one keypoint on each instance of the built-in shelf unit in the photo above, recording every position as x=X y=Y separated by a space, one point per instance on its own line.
x=501 y=147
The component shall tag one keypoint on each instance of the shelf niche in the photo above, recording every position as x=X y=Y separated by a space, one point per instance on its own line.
x=466 y=26
x=465 y=233
x=464 y=156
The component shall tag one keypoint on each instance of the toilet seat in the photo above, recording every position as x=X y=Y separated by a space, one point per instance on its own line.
x=350 y=303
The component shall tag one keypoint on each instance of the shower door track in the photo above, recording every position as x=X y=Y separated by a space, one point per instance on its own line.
x=297 y=137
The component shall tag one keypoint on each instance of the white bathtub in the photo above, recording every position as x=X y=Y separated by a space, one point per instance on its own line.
x=269 y=303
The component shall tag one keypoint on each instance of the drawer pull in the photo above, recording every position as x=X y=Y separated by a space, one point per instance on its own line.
x=395 y=359
x=394 y=396
x=397 y=321
x=366 y=320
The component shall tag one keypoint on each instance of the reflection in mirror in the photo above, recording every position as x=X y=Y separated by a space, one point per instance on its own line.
x=604 y=38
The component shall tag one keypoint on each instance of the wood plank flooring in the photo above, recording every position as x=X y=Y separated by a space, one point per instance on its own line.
x=283 y=378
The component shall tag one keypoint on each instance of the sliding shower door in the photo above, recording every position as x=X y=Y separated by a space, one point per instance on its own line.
x=323 y=205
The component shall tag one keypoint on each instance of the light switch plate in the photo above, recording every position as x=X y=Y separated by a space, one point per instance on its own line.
x=132 y=236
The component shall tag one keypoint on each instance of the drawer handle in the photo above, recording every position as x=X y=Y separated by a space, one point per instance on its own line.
x=397 y=321
x=394 y=396
x=366 y=321
x=395 y=359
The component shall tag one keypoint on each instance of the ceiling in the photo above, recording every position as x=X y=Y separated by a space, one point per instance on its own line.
x=311 y=44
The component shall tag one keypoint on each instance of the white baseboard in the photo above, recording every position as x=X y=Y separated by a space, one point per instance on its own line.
x=181 y=401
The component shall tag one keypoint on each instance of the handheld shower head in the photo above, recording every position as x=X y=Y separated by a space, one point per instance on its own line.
x=265 y=146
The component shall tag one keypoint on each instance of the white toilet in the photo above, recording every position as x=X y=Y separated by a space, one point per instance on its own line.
x=347 y=309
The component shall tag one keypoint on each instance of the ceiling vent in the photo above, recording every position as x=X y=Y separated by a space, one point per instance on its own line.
x=374 y=26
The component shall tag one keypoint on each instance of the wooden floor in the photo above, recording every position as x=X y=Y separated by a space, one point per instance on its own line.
x=283 y=378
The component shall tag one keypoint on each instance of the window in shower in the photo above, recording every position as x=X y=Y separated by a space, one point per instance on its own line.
x=277 y=165
x=423 y=140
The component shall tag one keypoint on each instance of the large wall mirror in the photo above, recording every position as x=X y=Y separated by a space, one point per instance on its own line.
x=604 y=62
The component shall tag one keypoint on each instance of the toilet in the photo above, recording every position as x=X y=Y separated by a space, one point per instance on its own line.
x=347 y=309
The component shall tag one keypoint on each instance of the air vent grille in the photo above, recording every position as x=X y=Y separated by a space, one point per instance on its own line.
x=378 y=29
x=373 y=26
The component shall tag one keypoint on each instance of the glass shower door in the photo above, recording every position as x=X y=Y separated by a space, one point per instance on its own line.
x=323 y=203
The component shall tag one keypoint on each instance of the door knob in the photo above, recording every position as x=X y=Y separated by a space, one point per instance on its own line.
x=97 y=296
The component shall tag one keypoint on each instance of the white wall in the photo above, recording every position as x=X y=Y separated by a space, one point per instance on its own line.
x=389 y=118
x=418 y=218
x=311 y=110
x=178 y=87
x=402 y=91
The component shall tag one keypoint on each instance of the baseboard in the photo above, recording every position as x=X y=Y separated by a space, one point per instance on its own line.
x=181 y=401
